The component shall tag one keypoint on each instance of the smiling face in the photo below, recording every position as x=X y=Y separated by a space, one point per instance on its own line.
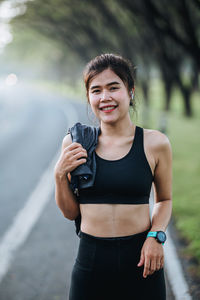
x=109 y=97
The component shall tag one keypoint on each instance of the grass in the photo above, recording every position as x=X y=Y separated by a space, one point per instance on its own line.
x=184 y=137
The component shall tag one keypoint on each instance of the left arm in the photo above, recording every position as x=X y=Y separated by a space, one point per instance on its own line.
x=152 y=254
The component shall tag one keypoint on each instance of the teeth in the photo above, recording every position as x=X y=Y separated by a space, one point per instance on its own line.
x=108 y=108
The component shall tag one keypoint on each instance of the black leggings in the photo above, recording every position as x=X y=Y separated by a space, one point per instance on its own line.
x=106 y=269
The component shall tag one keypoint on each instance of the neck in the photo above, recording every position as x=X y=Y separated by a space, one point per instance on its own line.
x=120 y=128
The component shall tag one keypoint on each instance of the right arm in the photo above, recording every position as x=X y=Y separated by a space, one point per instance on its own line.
x=71 y=157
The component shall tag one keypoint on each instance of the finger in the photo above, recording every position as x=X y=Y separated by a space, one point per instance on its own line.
x=80 y=162
x=158 y=264
x=151 y=272
x=146 y=268
x=162 y=262
x=77 y=150
x=79 y=155
x=141 y=262
x=74 y=145
x=80 y=148
x=153 y=265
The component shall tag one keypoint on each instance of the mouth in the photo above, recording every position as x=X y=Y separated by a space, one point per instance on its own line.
x=108 y=109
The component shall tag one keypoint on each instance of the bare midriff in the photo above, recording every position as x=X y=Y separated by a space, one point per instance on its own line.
x=114 y=220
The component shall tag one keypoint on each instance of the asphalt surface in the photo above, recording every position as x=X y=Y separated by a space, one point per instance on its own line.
x=33 y=125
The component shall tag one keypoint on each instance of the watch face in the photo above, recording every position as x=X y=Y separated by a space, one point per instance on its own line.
x=161 y=236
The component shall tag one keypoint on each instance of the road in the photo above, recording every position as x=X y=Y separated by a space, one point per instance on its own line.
x=33 y=123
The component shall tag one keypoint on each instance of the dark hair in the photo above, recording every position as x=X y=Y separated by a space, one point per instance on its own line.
x=120 y=66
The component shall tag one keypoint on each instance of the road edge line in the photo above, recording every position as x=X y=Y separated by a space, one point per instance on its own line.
x=174 y=270
x=27 y=217
x=172 y=264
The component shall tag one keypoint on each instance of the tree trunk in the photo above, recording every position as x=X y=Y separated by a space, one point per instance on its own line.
x=145 y=89
x=146 y=111
x=186 y=92
x=168 y=92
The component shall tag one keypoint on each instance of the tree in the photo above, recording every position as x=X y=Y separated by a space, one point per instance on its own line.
x=153 y=33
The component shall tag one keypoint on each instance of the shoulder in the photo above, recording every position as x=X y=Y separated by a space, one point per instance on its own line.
x=67 y=140
x=156 y=137
x=74 y=130
x=157 y=141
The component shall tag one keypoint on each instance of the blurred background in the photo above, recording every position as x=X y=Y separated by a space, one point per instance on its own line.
x=44 y=46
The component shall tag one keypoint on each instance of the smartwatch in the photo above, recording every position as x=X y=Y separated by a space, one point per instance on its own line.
x=160 y=236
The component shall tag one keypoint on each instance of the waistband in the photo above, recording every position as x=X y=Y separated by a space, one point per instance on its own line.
x=92 y=238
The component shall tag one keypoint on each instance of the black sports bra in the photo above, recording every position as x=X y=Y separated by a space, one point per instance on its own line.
x=124 y=181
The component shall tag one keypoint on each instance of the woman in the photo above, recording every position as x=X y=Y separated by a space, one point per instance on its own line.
x=120 y=254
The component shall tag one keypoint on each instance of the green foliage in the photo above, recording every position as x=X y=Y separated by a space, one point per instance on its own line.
x=159 y=34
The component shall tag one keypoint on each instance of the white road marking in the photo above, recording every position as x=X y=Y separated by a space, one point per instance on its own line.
x=26 y=218
x=174 y=271
x=173 y=266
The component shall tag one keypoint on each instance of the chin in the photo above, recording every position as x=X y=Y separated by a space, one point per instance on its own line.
x=108 y=121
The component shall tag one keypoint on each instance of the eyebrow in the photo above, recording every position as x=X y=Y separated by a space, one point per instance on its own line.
x=111 y=83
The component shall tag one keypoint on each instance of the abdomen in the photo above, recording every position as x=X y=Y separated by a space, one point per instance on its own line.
x=109 y=220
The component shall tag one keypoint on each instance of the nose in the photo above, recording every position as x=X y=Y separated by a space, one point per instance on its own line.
x=105 y=95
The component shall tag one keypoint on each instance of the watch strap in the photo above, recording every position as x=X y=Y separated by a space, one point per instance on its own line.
x=153 y=234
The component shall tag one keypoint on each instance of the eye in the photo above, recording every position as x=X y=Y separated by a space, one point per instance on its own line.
x=95 y=91
x=114 y=88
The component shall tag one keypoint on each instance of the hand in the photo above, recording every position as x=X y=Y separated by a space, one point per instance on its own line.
x=71 y=157
x=152 y=256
